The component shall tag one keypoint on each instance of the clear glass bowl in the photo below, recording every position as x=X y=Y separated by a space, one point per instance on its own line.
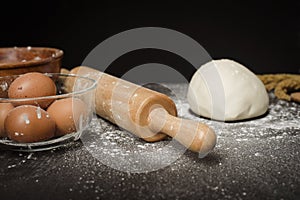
x=68 y=86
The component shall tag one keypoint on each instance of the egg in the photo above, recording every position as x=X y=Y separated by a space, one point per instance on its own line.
x=29 y=123
x=31 y=85
x=5 y=82
x=68 y=113
x=4 y=109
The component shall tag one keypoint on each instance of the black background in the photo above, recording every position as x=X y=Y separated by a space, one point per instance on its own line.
x=265 y=36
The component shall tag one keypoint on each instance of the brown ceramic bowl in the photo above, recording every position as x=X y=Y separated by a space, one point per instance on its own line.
x=20 y=60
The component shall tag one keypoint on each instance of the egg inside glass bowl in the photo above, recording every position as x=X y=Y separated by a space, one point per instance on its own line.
x=44 y=111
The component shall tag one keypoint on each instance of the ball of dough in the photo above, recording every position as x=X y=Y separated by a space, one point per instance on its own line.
x=226 y=90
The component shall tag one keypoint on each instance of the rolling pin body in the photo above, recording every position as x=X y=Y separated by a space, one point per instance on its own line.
x=146 y=113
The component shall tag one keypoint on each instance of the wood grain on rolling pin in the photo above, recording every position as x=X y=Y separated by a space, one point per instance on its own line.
x=144 y=112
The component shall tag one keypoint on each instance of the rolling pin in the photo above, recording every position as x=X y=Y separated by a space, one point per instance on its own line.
x=146 y=113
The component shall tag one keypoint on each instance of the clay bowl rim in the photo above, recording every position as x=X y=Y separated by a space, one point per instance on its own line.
x=56 y=54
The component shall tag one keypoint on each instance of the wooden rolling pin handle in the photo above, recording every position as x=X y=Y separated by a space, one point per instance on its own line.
x=196 y=136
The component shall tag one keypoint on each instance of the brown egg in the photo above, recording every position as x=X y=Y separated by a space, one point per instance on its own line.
x=5 y=82
x=68 y=114
x=32 y=85
x=4 y=109
x=29 y=124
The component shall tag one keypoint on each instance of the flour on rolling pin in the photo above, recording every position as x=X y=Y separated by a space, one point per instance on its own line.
x=146 y=113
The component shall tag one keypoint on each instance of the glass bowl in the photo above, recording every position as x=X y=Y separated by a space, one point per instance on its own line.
x=67 y=86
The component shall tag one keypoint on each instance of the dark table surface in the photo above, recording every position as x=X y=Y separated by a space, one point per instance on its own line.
x=254 y=159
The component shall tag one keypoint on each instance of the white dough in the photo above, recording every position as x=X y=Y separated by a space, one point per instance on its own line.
x=226 y=90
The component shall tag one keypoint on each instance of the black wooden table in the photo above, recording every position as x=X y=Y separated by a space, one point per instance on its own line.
x=254 y=159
